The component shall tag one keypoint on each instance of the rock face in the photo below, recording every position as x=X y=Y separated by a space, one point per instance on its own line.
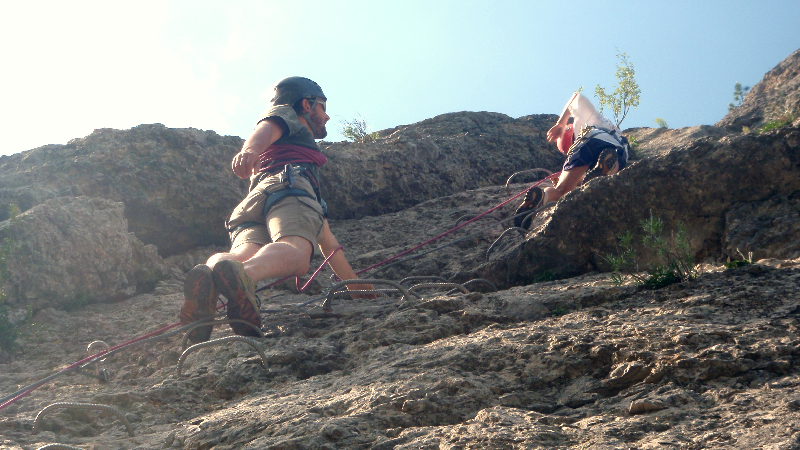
x=178 y=189
x=775 y=97
x=433 y=158
x=660 y=141
x=176 y=185
x=709 y=186
x=72 y=251
x=710 y=363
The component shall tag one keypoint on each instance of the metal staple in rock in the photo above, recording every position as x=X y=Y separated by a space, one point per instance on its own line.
x=96 y=344
x=426 y=285
x=249 y=341
x=420 y=278
x=102 y=375
x=328 y=303
x=58 y=447
x=523 y=231
x=218 y=322
x=481 y=280
x=538 y=169
x=106 y=408
x=155 y=335
x=381 y=292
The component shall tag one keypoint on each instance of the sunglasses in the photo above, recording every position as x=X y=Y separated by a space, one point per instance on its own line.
x=314 y=102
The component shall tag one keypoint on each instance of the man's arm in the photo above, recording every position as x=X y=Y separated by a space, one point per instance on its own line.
x=558 y=129
x=246 y=162
x=339 y=264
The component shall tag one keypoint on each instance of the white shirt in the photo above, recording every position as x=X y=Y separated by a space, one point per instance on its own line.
x=584 y=113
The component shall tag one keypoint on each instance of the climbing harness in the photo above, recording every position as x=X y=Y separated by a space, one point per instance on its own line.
x=589 y=132
x=286 y=178
x=285 y=188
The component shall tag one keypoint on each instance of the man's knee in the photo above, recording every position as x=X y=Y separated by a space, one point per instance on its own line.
x=240 y=253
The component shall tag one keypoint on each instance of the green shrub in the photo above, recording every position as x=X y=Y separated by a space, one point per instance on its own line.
x=633 y=143
x=745 y=261
x=676 y=257
x=738 y=95
x=661 y=122
x=775 y=124
x=626 y=94
x=357 y=130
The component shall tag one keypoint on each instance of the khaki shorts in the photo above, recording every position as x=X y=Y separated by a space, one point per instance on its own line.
x=292 y=216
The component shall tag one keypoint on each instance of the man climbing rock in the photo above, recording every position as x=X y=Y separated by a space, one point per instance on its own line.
x=598 y=144
x=275 y=228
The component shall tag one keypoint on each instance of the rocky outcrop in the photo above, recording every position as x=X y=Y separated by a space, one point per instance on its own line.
x=659 y=141
x=176 y=184
x=775 y=97
x=710 y=363
x=434 y=158
x=178 y=189
x=721 y=190
x=68 y=252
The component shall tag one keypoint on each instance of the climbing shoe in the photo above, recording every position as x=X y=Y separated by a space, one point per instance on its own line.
x=200 y=301
x=534 y=198
x=607 y=164
x=236 y=286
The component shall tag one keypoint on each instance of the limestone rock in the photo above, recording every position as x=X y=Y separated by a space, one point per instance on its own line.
x=176 y=184
x=434 y=158
x=777 y=95
x=660 y=141
x=770 y=227
x=696 y=184
x=72 y=251
x=178 y=188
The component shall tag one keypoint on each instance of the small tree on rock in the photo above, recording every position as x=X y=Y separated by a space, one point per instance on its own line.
x=357 y=130
x=738 y=95
x=626 y=94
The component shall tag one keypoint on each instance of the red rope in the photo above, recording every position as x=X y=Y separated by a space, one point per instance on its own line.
x=297 y=283
x=88 y=358
x=297 y=280
x=289 y=154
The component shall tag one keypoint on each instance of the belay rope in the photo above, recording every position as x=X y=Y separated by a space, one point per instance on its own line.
x=77 y=366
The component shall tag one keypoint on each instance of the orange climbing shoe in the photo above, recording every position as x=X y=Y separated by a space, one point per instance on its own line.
x=200 y=301
x=534 y=198
x=607 y=164
x=236 y=286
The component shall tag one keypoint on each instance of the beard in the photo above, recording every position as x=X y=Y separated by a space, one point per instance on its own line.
x=320 y=132
x=318 y=127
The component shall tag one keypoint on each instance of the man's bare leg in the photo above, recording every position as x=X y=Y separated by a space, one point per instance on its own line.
x=290 y=255
x=241 y=253
x=568 y=181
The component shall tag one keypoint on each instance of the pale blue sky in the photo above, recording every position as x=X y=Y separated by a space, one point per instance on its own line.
x=72 y=67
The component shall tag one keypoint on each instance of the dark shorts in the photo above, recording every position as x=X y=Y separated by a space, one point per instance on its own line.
x=589 y=152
